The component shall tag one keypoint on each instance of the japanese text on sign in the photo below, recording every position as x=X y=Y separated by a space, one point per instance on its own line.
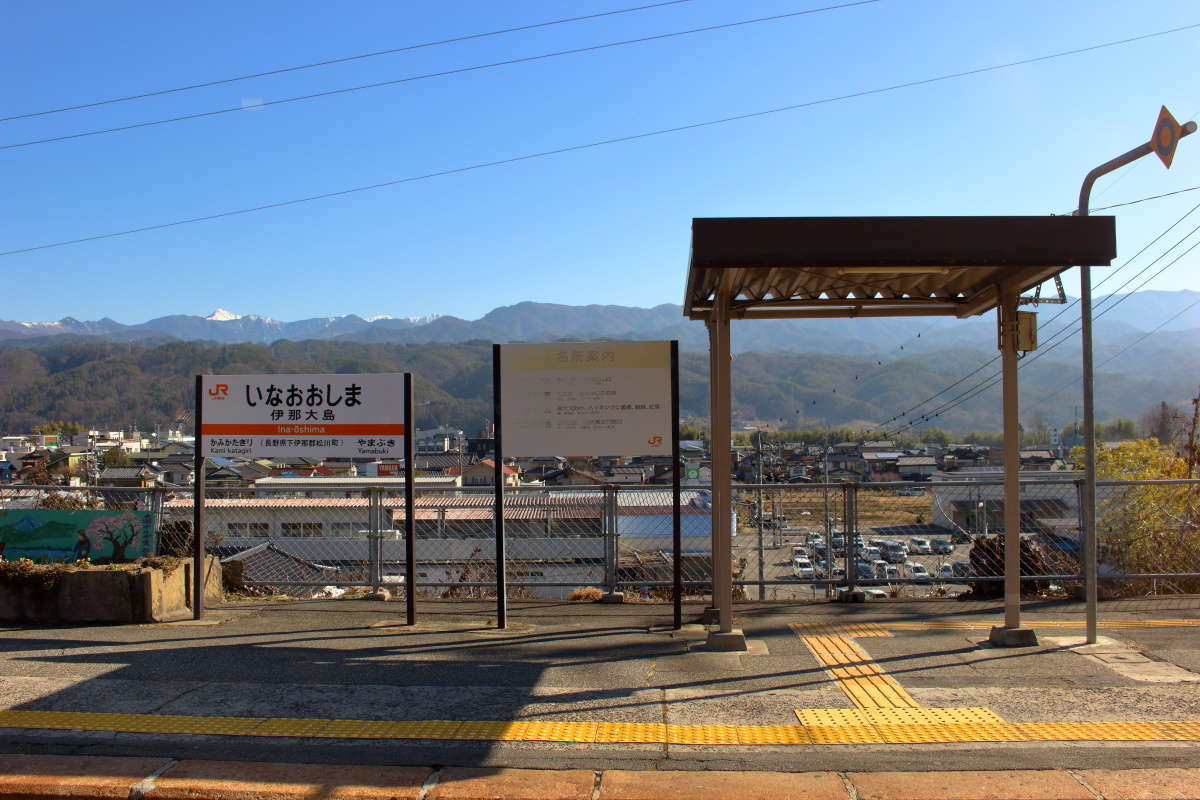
x=318 y=416
x=586 y=399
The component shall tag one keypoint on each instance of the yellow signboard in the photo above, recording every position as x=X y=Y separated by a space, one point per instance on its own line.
x=1166 y=136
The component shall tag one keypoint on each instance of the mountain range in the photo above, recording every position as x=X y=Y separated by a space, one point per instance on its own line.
x=1122 y=315
x=820 y=371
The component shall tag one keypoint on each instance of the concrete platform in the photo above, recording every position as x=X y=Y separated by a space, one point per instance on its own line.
x=895 y=686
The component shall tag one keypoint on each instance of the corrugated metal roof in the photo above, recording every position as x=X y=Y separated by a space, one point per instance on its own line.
x=883 y=266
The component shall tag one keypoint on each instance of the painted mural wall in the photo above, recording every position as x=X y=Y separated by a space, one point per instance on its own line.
x=56 y=535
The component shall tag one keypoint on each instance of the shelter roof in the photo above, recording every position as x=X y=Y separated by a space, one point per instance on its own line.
x=882 y=266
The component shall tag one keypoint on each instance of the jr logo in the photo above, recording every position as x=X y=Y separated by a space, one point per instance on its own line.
x=219 y=391
x=654 y=441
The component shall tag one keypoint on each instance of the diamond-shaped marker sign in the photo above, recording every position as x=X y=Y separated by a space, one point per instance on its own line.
x=1166 y=135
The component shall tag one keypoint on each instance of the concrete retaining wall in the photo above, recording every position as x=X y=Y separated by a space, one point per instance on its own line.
x=110 y=596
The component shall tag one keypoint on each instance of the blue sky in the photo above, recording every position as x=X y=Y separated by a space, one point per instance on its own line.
x=602 y=225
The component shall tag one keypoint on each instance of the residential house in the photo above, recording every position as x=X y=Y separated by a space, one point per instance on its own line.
x=916 y=468
x=881 y=466
x=440 y=463
x=483 y=473
x=130 y=477
x=846 y=457
x=632 y=474
x=570 y=476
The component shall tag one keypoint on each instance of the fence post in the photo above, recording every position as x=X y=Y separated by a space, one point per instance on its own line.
x=374 y=541
x=156 y=508
x=849 y=531
x=611 y=549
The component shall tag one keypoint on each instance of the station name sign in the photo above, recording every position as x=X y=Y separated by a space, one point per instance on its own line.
x=316 y=416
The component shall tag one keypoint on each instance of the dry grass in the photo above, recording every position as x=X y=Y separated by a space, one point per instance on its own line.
x=588 y=594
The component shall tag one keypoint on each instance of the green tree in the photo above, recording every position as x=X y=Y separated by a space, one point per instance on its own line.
x=115 y=457
x=1147 y=528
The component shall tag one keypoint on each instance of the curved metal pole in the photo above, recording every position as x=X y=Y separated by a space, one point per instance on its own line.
x=1088 y=511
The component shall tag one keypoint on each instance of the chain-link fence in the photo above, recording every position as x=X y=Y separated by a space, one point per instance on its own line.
x=791 y=541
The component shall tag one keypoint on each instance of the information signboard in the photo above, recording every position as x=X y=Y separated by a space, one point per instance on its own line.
x=586 y=398
x=317 y=416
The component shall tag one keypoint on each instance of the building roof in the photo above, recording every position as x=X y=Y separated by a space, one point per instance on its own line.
x=628 y=500
x=269 y=563
x=883 y=266
x=122 y=473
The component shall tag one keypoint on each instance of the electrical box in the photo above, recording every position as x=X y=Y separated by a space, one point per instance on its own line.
x=1026 y=331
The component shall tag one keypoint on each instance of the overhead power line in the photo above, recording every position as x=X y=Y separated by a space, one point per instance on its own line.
x=1128 y=347
x=329 y=62
x=442 y=74
x=1111 y=275
x=1139 y=200
x=590 y=145
x=993 y=379
x=1144 y=199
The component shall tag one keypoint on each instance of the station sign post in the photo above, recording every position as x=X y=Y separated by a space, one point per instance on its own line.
x=594 y=398
x=315 y=416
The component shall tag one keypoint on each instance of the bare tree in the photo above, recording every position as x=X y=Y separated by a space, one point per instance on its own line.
x=1162 y=422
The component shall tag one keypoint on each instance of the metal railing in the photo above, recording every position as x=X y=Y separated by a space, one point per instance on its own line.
x=799 y=541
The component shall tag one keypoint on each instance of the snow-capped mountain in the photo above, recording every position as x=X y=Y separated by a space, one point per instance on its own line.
x=222 y=325
x=1168 y=312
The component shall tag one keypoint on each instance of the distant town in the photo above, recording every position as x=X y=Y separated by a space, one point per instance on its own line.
x=448 y=458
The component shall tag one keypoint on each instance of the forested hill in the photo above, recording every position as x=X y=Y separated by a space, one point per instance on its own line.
x=117 y=385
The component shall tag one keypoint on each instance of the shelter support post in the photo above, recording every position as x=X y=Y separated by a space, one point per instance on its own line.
x=725 y=637
x=1011 y=634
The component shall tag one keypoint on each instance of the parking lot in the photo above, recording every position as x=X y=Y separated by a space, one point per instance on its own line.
x=778 y=552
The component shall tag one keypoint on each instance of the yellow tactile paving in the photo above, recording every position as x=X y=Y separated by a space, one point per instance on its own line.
x=856 y=630
x=1179 y=730
x=962 y=625
x=857 y=675
x=885 y=712
x=291 y=727
x=703 y=734
x=819 y=726
x=648 y=732
x=773 y=734
x=895 y=716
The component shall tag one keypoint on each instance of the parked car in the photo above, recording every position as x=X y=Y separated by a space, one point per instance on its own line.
x=945 y=572
x=802 y=568
x=917 y=571
x=962 y=569
x=870 y=554
x=894 y=552
x=799 y=550
x=920 y=546
x=822 y=569
x=941 y=546
x=887 y=572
